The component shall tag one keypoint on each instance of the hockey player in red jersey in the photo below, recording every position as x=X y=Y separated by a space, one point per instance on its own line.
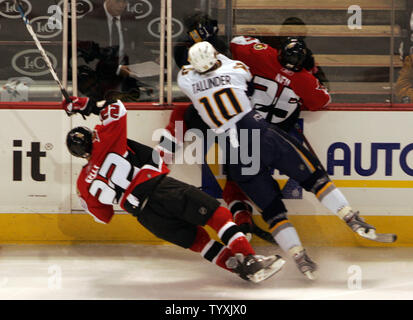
x=282 y=85
x=125 y=172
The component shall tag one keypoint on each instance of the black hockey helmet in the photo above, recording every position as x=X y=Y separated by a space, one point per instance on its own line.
x=79 y=141
x=292 y=54
x=201 y=27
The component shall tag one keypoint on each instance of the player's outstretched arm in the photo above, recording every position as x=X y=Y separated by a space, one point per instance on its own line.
x=83 y=105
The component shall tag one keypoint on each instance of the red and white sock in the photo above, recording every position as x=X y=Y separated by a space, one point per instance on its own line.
x=229 y=232
x=237 y=203
x=210 y=249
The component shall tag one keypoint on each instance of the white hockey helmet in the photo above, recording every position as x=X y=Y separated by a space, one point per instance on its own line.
x=202 y=56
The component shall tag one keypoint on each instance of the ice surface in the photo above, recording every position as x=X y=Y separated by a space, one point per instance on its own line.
x=132 y=271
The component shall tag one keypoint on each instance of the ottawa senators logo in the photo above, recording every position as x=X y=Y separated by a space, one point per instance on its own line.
x=260 y=46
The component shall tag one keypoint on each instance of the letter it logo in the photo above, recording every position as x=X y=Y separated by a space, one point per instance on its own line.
x=35 y=154
x=8 y=8
x=30 y=63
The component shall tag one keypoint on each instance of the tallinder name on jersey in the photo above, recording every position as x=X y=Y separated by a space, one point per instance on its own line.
x=211 y=83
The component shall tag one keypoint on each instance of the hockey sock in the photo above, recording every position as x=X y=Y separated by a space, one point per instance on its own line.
x=285 y=235
x=211 y=250
x=221 y=221
x=237 y=203
x=332 y=198
x=241 y=211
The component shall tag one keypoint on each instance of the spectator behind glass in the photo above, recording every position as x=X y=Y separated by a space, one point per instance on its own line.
x=110 y=40
x=404 y=84
x=198 y=27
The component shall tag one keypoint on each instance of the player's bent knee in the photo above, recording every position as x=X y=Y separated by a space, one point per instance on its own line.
x=275 y=212
x=201 y=240
x=220 y=217
x=316 y=181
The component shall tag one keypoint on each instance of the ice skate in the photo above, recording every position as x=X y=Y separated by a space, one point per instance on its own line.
x=304 y=263
x=362 y=228
x=255 y=268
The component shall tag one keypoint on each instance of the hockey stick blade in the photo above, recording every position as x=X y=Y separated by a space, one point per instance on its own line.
x=386 y=237
x=378 y=237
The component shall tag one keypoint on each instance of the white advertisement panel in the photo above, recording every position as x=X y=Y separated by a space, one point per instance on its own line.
x=34 y=163
x=369 y=156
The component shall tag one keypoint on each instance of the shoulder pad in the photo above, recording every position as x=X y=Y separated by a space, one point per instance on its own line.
x=260 y=46
x=243 y=40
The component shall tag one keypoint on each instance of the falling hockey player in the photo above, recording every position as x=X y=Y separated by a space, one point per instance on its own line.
x=226 y=109
x=125 y=172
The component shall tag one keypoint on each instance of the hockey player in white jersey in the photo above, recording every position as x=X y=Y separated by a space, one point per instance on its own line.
x=219 y=97
x=217 y=87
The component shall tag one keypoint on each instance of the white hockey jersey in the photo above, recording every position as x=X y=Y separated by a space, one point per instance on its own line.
x=219 y=96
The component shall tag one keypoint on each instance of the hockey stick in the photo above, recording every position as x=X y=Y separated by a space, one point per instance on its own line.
x=300 y=133
x=260 y=233
x=42 y=52
x=371 y=234
x=162 y=54
x=74 y=47
x=169 y=52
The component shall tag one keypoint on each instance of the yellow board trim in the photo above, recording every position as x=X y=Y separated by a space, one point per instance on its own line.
x=314 y=230
x=392 y=184
x=330 y=230
x=373 y=183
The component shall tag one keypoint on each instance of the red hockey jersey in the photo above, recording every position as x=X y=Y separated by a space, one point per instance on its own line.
x=117 y=166
x=279 y=92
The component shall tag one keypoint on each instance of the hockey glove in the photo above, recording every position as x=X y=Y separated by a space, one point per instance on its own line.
x=77 y=105
x=309 y=62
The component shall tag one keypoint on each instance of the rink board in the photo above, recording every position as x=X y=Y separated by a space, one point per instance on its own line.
x=369 y=155
x=314 y=230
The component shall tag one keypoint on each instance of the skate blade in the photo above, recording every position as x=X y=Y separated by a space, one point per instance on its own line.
x=311 y=275
x=267 y=272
